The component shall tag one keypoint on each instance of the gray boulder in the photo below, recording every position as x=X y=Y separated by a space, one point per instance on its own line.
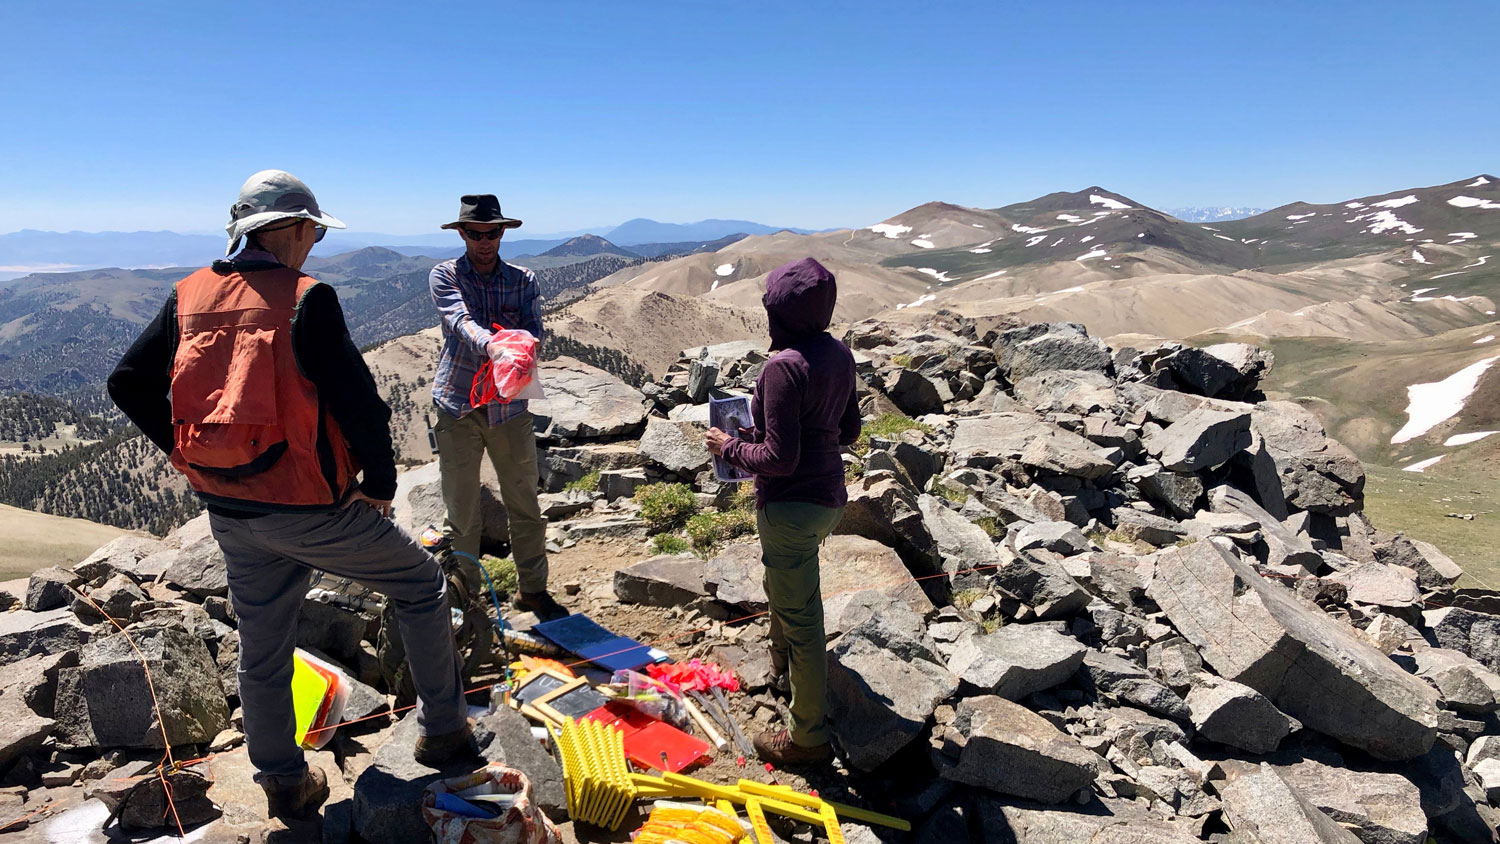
x=1099 y=822
x=1203 y=439
x=24 y=634
x=882 y=510
x=1263 y=809
x=332 y=630
x=116 y=598
x=913 y=393
x=1016 y=660
x=199 y=564
x=1380 y=585
x=986 y=441
x=1175 y=662
x=126 y=554
x=106 y=701
x=1008 y=749
x=585 y=403
x=1206 y=374
x=848 y=564
x=559 y=466
x=50 y=588
x=1059 y=537
x=1039 y=579
x=1317 y=474
x=1464 y=683
x=1041 y=347
x=968 y=554
x=1379 y=808
x=703 y=376
x=1435 y=570
x=676 y=445
x=621 y=483
x=1067 y=391
x=1180 y=492
x=1283 y=547
x=22 y=731
x=388 y=794
x=1128 y=682
x=1144 y=527
x=1311 y=666
x=1470 y=632
x=1235 y=714
x=665 y=581
x=1252 y=362
x=884 y=683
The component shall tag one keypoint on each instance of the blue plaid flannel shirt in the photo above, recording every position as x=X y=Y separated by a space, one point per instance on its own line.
x=470 y=304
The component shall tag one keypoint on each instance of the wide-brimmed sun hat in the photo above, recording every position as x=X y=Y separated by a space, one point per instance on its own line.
x=481 y=208
x=272 y=195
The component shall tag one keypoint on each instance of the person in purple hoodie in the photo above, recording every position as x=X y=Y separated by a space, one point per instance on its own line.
x=805 y=410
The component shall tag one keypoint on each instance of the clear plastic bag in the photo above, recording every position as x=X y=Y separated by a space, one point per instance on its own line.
x=649 y=696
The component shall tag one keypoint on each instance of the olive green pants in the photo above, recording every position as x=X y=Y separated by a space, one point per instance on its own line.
x=511 y=445
x=790 y=534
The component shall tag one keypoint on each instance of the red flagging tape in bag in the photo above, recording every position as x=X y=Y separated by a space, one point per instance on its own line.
x=509 y=370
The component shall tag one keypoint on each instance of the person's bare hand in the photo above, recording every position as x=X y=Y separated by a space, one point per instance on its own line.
x=715 y=440
x=381 y=507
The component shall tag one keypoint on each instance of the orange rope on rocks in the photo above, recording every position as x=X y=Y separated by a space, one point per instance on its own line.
x=167 y=763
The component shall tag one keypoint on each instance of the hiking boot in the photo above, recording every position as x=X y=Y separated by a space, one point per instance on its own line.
x=541 y=604
x=779 y=749
x=446 y=749
x=296 y=797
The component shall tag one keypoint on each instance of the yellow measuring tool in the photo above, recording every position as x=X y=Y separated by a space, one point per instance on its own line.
x=853 y=813
x=758 y=822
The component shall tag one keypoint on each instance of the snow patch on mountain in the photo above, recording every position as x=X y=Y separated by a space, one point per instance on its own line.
x=1108 y=203
x=890 y=230
x=1431 y=403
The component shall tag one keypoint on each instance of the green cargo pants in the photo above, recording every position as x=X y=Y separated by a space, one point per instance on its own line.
x=790 y=533
x=511 y=445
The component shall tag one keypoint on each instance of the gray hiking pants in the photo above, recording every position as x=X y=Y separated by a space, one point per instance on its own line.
x=268 y=560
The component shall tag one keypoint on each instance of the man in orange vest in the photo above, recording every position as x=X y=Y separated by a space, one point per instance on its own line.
x=249 y=380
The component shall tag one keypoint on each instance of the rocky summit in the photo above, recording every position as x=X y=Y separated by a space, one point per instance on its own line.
x=1080 y=594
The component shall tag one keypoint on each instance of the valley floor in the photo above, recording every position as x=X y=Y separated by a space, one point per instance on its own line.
x=1418 y=505
x=31 y=540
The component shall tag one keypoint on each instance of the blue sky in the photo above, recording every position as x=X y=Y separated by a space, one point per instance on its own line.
x=130 y=116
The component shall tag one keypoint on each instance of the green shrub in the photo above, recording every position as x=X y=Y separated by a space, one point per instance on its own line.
x=950 y=492
x=669 y=543
x=708 y=530
x=743 y=498
x=964 y=597
x=990 y=624
x=587 y=483
x=666 y=506
x=886 y=425
x=903 y=361
x=991 y=526
x=853 y=472
x=502 y=573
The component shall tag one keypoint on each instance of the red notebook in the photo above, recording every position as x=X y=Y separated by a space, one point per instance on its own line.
x=646 y=739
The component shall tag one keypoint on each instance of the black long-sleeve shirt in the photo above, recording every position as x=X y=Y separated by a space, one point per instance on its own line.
x=326 y=354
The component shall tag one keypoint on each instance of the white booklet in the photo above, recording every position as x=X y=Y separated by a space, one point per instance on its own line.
x=730 y=415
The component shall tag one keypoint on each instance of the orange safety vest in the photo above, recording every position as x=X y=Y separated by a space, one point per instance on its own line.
x=250 y=429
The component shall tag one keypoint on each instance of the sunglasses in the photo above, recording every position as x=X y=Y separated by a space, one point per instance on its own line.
x=319 y=229
x=493 y=234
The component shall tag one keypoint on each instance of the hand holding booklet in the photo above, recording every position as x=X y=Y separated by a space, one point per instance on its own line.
x=729 y=415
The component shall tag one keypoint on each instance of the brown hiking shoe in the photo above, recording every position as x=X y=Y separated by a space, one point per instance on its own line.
x=441 y=751
x=779 y=749
x=296 y=797
x=541 y=604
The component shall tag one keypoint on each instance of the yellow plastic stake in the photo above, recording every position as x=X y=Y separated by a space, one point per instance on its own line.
x=853 y=813
x=758 y=822
x=726 y=807
x=831 y=825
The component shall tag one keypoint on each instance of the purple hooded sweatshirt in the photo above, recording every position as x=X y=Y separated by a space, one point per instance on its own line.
x=805 y=405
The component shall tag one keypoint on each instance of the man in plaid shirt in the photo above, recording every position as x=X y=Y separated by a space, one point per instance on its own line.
x=473 y=293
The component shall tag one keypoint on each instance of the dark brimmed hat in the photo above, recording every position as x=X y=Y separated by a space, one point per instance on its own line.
x=481 y=208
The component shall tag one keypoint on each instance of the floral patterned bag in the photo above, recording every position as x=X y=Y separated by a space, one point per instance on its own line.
x=521 y=823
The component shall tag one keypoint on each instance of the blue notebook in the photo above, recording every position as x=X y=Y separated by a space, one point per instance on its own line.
x=579 y=634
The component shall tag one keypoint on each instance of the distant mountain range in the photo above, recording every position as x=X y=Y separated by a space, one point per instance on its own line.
x=1212 y=214
x=29 y=250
